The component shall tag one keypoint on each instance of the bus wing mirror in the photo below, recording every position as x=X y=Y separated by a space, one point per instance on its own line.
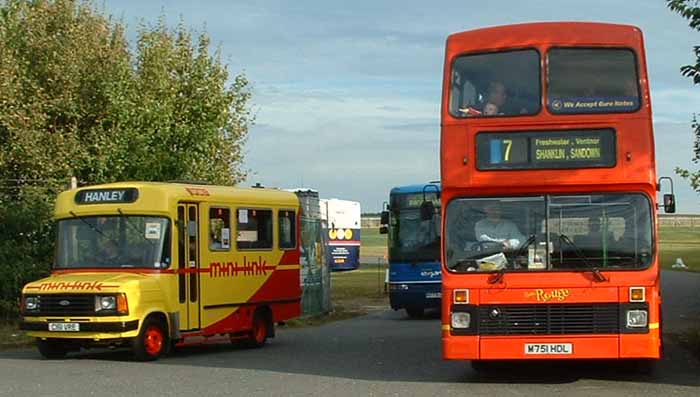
x=669 y=199
x=385 y=218
x=383 y=229
x=669 y=203
x=427 y=210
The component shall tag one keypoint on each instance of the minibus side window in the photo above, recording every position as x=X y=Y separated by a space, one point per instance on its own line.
x=219 y=229
x=287 y=229
x=254 y=228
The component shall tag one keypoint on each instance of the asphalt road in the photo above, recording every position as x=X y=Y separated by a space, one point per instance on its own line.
x=383 y=353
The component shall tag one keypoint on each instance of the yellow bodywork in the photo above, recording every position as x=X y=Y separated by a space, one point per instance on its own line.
x=227 y=280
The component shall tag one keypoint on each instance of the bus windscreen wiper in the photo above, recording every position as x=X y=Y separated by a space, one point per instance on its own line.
x=133 y=227
x=530 y=240
x=93 y=227
x=496 y=278
x=597 y=275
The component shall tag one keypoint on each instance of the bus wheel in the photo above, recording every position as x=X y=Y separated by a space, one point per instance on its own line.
x=258 y=335
x=482 y=365
x=152 y=341
x=414 y=312
x=645 y=366
x=51 y=349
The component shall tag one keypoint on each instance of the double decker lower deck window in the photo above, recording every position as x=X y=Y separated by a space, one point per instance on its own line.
x=254 y=228
x=611 y=231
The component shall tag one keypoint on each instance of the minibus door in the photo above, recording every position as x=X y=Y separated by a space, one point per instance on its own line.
x=188 y=266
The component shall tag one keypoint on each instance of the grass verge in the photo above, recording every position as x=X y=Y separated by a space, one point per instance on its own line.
x=11 y=337
x=354 y=293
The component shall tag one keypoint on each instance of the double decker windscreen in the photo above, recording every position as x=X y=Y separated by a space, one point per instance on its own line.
x=412 y=239
x=546 y=149
x=549 y=233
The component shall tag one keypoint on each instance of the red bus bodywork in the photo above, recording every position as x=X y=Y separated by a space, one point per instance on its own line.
x=635 y=171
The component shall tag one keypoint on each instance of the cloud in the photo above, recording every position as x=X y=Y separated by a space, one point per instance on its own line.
x=347 y=95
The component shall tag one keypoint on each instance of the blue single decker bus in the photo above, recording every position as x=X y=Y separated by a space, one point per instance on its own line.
x=412 y=222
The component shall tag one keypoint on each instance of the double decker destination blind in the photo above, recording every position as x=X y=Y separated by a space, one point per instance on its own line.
x=546 y=149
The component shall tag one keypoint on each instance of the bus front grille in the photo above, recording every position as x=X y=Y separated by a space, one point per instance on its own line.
x=549 y=319
x=65 y=305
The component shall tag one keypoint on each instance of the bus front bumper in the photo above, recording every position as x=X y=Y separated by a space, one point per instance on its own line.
x=623 y=346
x=96 y=330
x=418 y=295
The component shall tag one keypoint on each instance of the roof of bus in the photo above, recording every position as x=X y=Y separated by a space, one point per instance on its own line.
x=160 y=196
x=580 y=33
x=418 y=188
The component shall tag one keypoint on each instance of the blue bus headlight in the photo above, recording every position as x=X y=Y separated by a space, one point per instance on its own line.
x=637 y=319
x=460 y=320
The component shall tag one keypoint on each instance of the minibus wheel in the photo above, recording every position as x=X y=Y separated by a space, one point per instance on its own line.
x=258 y=335
x=152 y=341
x=51 y=349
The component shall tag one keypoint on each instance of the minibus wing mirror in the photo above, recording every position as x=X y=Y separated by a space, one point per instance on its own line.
x=383 y=229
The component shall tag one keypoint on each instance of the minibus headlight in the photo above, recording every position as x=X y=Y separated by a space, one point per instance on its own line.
x=637 y=319
x=106 y=303
x=31 y=303
x=460 y=320
x=112 y=303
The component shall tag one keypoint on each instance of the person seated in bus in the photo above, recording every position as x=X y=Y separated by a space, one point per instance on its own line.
x=110 y=254
x=490 y=109
x=591 y=244
x=495 y=228
x=492 y=105
x=496 y=96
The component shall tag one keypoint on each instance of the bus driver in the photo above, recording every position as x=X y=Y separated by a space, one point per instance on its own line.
x=496 y=229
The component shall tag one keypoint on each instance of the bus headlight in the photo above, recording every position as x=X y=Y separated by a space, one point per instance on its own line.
x=107 y=303
x=31 y=303
x=112 y=303
x=460 y=320
x=637 y=319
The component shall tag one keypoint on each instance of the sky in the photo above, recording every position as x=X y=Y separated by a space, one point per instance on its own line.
x=347 y=94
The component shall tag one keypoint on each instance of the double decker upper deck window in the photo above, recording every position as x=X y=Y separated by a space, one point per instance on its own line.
x=592 y=80
x=495 y=84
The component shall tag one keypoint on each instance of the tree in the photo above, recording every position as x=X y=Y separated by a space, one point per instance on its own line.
x=76 y=99
x=690 y=10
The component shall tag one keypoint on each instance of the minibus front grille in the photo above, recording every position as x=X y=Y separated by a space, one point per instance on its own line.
x=64 y=305
x=549 y=319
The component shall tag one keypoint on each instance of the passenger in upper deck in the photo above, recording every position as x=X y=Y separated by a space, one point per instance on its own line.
x=496 y=96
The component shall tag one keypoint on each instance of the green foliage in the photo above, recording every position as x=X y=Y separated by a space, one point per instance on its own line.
x=690 y=10
x=77 y=100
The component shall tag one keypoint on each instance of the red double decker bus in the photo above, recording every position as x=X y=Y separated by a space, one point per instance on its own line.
x=549 y=195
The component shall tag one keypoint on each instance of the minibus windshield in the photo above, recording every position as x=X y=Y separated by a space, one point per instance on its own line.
x=114 y=241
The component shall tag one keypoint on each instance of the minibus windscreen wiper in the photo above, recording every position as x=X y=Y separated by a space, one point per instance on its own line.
x=136 y=229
